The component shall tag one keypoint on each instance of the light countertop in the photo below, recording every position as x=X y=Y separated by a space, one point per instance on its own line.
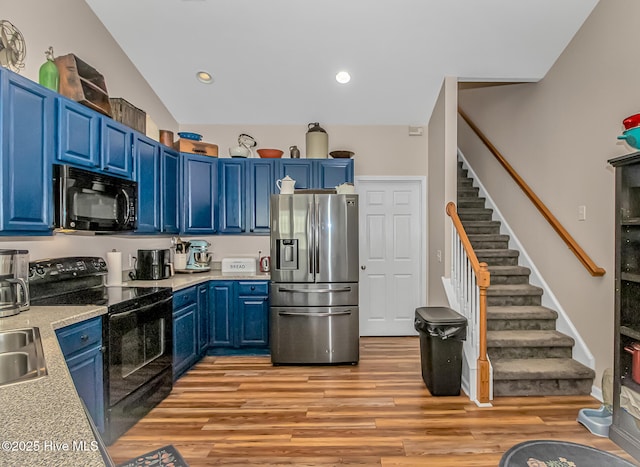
x=43 y=421
x=184 y=280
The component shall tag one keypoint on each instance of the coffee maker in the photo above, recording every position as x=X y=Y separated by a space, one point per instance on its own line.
x=199 y=256
x=14 y=288
x=153 y=265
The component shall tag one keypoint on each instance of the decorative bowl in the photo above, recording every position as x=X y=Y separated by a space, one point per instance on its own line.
x=270 y=153
x=342 y=154
x=192 y=136
x=632 y=137
x=631 y=122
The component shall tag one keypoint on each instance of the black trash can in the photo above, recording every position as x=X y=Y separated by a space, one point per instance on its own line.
x=442 y=331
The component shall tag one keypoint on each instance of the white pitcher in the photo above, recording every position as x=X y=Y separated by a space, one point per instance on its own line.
x=286 y=185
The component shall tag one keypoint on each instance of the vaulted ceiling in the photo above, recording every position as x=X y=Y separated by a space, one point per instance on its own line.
x=275 y=61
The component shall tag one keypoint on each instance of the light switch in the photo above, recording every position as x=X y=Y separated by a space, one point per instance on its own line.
x=582 y=213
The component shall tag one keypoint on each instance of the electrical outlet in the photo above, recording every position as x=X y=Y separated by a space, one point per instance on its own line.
x=439 y=255
x=130 y=260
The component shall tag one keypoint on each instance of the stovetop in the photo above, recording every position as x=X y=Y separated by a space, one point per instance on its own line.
x=101 y=295
x=80 y=281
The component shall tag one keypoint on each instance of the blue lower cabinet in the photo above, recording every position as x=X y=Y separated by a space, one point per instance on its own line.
x=185 y=330
x=81 y=345
x=239 y=317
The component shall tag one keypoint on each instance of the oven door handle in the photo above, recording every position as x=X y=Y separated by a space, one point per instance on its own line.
x=142 y=309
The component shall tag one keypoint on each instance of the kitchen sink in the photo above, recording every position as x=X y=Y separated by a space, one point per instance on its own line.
x=21 y=356
x=14 y=340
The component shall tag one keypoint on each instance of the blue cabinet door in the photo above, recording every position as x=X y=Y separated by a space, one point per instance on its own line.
x=203 y=318
x=301 y=170
x=86 y=370
x=253 y=324
x=147 y=174
x=78 y=134
x=185 y=343
x=199 y=194
x=27 y=111
x=222 y=304
x=329 y=173
x=169 y=189
x=81 y=345
x=116 y=146
x=261 y=185
x=231 y=196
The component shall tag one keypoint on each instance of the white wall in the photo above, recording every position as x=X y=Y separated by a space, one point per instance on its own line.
x=558 y=134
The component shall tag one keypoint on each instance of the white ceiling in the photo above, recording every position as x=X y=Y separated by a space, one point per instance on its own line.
x=274 y=61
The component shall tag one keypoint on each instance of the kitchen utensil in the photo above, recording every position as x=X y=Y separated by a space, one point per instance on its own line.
x=632 y=137
x=180 y=261
x=286 y=185
x=631 y=122
x=245 y=143
x=270 y=153
x=317 y=142
x=192 y=136
x=341 y=154
x=294 y=152
x=634 y=350
x=265 y=264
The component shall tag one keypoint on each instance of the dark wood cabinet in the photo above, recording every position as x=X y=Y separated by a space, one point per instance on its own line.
x=625 y=430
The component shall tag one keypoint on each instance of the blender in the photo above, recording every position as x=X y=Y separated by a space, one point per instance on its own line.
x=14 y=288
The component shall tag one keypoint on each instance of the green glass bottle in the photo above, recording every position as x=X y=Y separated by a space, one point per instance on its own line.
x=49 y=76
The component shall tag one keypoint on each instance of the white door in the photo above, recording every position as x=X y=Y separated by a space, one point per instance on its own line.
x=392 y=259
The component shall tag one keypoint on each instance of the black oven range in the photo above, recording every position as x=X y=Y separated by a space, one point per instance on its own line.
x=137 y=333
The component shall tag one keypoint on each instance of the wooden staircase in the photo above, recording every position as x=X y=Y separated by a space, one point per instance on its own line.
x=529 y=356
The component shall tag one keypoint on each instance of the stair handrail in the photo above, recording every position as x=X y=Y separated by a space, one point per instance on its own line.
x=483 y=279
x=582 y=256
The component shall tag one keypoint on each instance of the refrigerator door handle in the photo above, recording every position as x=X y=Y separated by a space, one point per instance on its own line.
x=343 y=289
x=317 y=245
x=322 y=315
x=310 y=237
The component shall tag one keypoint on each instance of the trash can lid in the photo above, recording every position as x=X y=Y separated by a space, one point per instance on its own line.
x=440 y=315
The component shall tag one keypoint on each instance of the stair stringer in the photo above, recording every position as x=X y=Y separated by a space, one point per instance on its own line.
x=580 y=351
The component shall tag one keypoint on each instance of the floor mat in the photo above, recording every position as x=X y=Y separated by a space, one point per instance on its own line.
x=166 y=455
x=550 y=453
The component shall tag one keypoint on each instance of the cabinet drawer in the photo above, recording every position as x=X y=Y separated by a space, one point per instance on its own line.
x=185 y=297
x=80 y=336
x=253 y=288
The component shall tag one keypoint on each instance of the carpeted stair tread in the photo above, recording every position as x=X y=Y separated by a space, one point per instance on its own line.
x=540 y=368
x=471 y=202
x=488 y=238
x=472 y=227
x=513 y=289
x=468 y=191
x=496 y=252
x=521 y=312
x=528 y=338
x=509 y=271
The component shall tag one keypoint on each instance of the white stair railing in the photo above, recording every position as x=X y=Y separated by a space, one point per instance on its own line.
x=470 y=280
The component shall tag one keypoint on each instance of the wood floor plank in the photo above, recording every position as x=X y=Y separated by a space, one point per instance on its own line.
x=243 y=411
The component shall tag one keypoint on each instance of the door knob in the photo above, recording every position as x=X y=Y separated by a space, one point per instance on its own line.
x=363 y=267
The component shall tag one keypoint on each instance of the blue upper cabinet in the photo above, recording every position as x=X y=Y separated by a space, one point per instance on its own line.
x=116 y=148
x=27 y=114
x=301 y=170
x=261 y=185
x=231 y=196
x=199 y=194
x=330 y=173
x=78 y=134
x=147 y=174
x=169 y=190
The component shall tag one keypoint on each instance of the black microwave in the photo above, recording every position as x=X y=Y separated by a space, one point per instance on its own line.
x=94 y=202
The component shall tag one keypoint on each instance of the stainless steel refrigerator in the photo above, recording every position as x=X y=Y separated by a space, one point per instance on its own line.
x=314 y=279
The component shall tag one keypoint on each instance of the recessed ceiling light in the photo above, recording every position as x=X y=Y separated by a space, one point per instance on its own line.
x=343 y=77
x=204 y=77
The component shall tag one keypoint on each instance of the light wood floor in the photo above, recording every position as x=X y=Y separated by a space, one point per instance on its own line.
x=242 y=411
